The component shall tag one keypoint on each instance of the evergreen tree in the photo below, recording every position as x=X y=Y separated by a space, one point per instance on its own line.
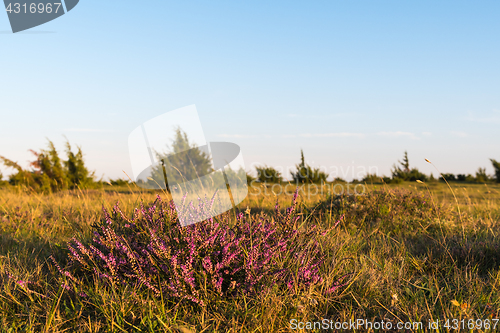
x=404 y=172
x=21 y=177
x=48 y=169
x=496 y=166
x=77 y=172
x=405 y=163
x=184 y=160
x=306 y=174
x=49 y=173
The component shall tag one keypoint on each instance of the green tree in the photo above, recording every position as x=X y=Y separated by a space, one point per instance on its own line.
x=496 y=166
x=48 y=169
x=184 y=160
x=250 y=179
x=77 y=173
x=307 y=174
x=405 y=163
x=404 y=172
x=49 y=173
x=448 y=176
x=21 y=177
x=481 y=176
x=267 y=174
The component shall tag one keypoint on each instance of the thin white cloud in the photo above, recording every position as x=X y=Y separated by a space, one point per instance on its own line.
x=398 y=134
x=426 y=133
x=333 y=135
x=303 y=135
x=459 y=134
x=322 y=116
x=87 y=130
x=494 y=118
x=239 y=136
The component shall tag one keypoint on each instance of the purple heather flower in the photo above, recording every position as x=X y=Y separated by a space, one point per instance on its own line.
x=22 y=283
x=178 y=261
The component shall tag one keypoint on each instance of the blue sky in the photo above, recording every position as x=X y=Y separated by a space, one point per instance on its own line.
x=352 y=83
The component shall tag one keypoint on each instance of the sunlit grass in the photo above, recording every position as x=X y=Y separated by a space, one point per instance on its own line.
x=410 y=255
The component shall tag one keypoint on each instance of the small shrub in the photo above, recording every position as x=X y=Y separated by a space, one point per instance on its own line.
x=250 y=179
x=151 y=250
x=119 y=182
x=481 y=176
x=393 y=210
x=448 y=176
x=372 y=178
x=396 y=180
x=267 y=174
x=386 y=179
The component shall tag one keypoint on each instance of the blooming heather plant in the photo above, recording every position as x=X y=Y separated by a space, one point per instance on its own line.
x=153 y=251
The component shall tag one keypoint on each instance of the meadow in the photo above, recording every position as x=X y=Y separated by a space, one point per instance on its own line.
x=410 y=252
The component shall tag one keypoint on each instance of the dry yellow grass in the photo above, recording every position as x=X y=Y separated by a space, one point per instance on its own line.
x=411 y=260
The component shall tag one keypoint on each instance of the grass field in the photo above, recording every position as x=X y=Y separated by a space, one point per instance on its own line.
x=408 y=253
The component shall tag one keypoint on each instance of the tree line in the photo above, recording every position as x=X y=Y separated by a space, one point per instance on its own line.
x=400 y=172
x=49 y=172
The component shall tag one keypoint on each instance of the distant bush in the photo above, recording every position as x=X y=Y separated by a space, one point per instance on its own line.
x=307 y=174
x=250 y=179
x=448 y=176
x=481 y=176
x=49 y=173
x=496 y=166
x=372 y=178
x=2 y=182
x=267 y=174
x=466 y=178
x=396 y=180
x=119 y=182
x=391 y=209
